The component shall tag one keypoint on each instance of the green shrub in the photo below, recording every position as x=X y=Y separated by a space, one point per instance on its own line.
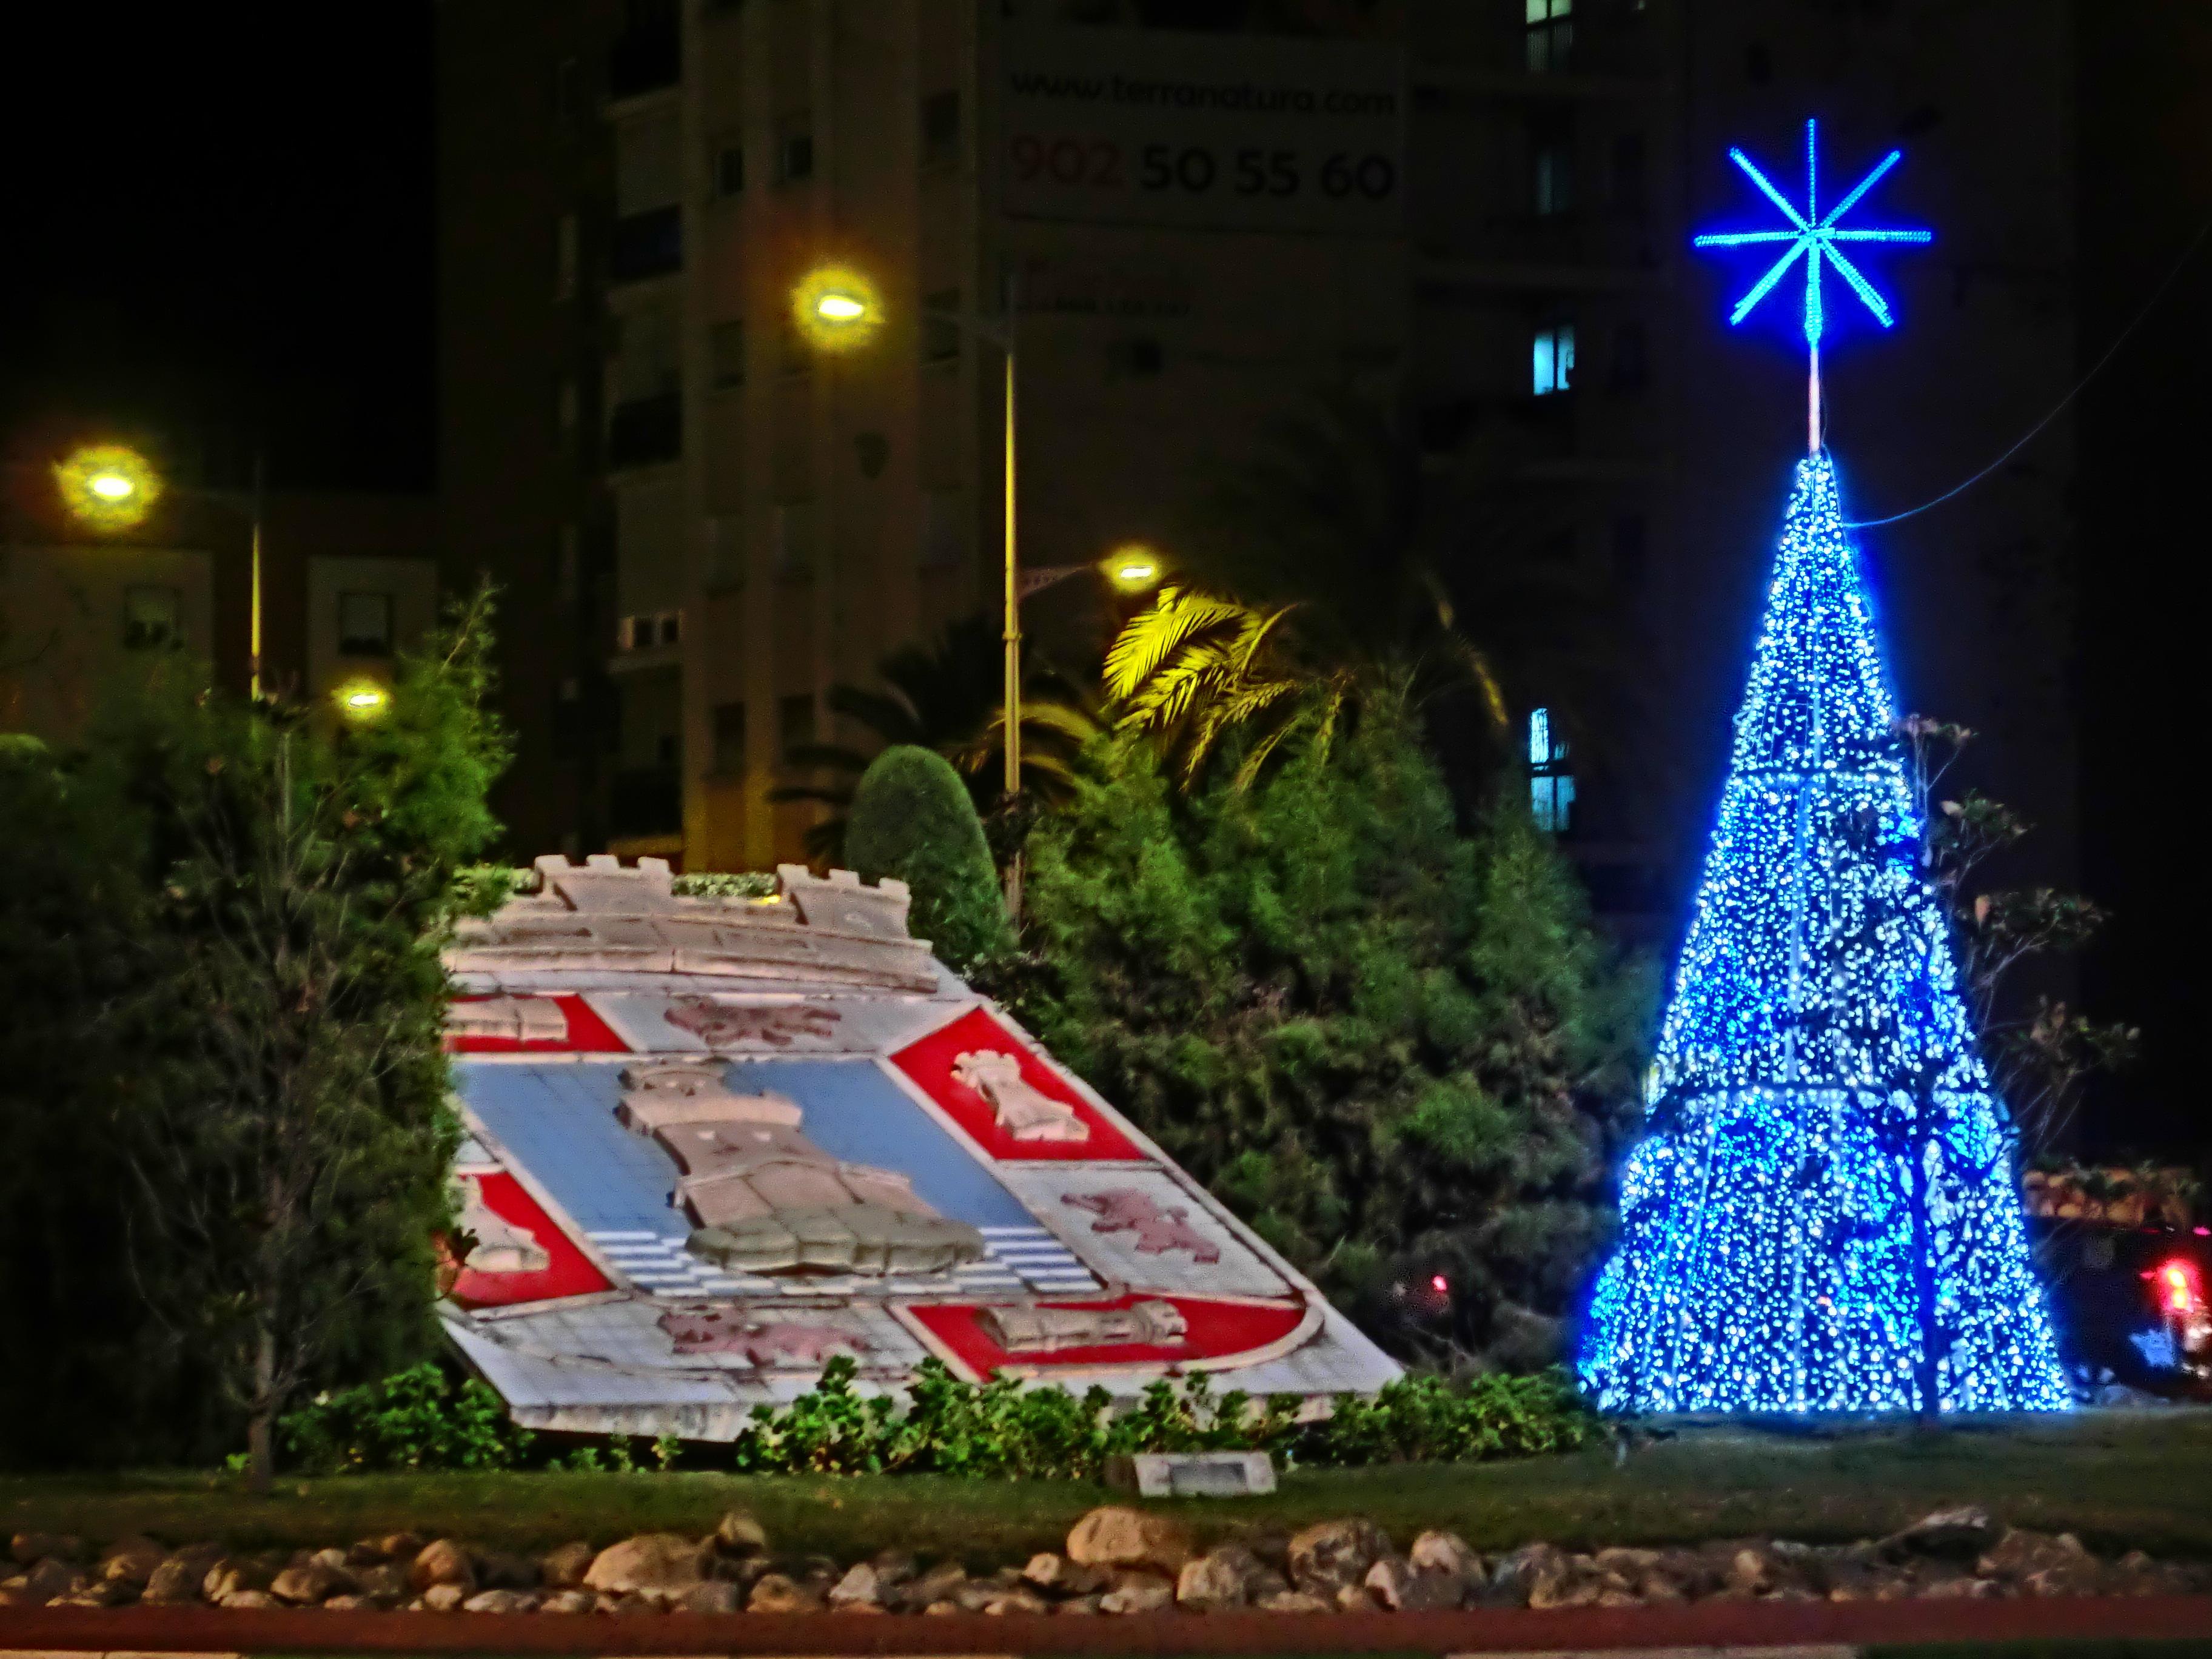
x=1003 y=1430
x=725 y=883
x=417 y=1418
x=912 y=818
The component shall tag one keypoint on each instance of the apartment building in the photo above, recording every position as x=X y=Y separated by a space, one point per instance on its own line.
x=1195 y=215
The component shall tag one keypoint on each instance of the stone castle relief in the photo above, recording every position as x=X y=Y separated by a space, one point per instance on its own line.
x=763 y=1198
x=1024 y=1112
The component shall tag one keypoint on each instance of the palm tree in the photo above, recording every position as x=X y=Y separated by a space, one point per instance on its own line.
x=1324 y=571
x=945 y=694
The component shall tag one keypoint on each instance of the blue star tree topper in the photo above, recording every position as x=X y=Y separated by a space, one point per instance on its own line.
x=1824 y=1213
x=1814 y=238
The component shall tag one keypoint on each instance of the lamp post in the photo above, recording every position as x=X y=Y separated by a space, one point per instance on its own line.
x=110 y=488
x=838 y=310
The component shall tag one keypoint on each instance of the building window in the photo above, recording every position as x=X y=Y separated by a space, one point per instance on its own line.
x=940 y=328
x=1550 y=35
x=794 y=725
x=730 y=170
x=365 y=624
x=1630 y=368
x=940 y=129
x=725 y=347
x=730 y=740
x=1555 y=178
x=1550 y=785
x=1551 y=358
x=794 y=149
x=152 y=619
x=564 y=257
x=1628 y=171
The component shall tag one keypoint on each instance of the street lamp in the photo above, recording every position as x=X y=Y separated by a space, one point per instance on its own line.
x=837 y=309
x=110 y=488
x=362 y=701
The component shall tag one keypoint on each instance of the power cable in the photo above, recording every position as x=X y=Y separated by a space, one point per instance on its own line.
x=2060 y=407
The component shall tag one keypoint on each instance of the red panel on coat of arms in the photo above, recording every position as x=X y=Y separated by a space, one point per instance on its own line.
x=526 y=1025
x=531 y=1237
x=1014 y=1106
x=1183 y=1328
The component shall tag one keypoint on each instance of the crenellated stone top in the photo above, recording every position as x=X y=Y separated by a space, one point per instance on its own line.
x=605 y=916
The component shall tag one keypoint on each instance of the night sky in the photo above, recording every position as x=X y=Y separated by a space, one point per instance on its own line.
x=218 y=213
x=220 y=222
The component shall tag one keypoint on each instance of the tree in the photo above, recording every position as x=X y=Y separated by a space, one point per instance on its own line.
x=912 y=818
x=944 y=696
x=1334 y=566
x=2041 y=1054
x=1396 y=1050
x=292 y=1159
x=1824 y=1214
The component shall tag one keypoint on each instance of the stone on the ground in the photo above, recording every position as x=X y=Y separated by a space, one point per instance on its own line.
x=1138 y=1592
x=1962 y=1533
x=443 y=1561
x=310 y=1584
x=400 y=1545
x=1445 y=1552
x=1116 y=1535
x=1058 y=1575
x=233 y=1574
x=131 y=1561
x=711 y=1595
x=446 y=1598
x=569 y=1601
x=861 y=1587
x=1214 y=1582
x=925 y=1589
x=893 y=1566
x=656 y=1564
x=1396 y=1583
x=739 y=1533
x=564 y=1568
x=778 y=1592
x=30 y=1547
x=95 y=1593
x=176 y=1581
x=1293 y=1601
x=506 y=1569
x=251 y=1598
x=501 y=1601
x=1332 y=1555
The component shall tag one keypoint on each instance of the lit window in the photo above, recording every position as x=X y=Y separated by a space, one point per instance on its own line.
x=1550 y=785
x=1553 y=359
x=152 y=619
x=1550 y=35
x=1555 y=179
x=364 y=624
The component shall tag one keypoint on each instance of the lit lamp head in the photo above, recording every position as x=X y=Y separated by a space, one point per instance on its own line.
x=361 y=701
x=1134 y=569
x=107 y=486
x=836 y=309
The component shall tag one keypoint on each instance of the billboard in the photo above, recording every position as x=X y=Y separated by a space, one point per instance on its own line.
x=1205 y=131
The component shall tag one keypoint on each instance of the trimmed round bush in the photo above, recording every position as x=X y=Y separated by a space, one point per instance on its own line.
x=911 y=818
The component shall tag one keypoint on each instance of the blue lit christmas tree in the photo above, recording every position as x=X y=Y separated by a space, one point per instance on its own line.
x=1825 y=1214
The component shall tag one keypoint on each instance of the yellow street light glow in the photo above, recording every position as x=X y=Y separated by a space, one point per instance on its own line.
x=1133 y=569
x=836 y=309
x=362 y=699
x=106 y=486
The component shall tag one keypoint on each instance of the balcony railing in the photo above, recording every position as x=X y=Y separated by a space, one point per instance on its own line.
x=645 y=430
x=648 y=244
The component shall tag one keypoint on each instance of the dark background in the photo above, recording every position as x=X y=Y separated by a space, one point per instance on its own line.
x=221 y=222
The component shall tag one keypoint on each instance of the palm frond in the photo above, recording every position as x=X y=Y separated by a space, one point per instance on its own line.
x=1154 y=634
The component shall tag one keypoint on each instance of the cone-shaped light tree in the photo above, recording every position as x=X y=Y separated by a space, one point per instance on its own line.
x=1825 y=1214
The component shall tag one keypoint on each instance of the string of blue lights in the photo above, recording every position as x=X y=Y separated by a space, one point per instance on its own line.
x=1824 y=1215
